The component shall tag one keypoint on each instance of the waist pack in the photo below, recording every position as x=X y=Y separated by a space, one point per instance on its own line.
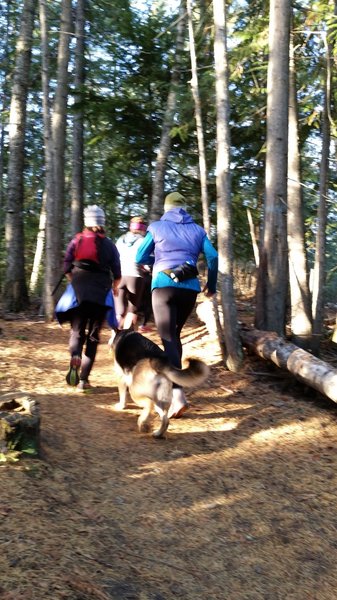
x=182 y=272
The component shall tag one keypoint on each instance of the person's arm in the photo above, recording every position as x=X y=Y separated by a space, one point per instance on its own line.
x=144 y=254
x=69 y=259
x=115 y=266
x=211 y=256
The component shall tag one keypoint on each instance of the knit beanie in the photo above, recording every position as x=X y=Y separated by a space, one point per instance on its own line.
x=94 y=216
x=137 y=224
x=174 y=200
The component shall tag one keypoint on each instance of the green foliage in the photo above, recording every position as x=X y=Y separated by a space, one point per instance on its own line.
x=129 y=53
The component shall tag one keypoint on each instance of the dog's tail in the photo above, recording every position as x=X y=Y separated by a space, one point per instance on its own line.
x=195 y=373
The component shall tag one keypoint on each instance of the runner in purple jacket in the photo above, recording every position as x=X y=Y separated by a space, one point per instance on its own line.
x=176 y=242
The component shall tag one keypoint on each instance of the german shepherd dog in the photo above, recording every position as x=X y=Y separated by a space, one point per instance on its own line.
x=143 y=369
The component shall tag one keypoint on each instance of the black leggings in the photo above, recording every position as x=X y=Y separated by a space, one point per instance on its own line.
x=171 y=308
x=86 y=323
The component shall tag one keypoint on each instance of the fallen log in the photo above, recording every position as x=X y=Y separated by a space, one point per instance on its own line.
x=304 y=366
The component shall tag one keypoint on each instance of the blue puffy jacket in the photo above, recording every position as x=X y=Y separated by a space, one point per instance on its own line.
x=173 y=240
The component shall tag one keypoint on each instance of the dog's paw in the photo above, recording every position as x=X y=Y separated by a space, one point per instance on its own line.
x=119 y=406
x=158 y=434
x=143 y=427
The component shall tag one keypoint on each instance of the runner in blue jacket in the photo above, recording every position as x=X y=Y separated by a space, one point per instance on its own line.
x=176 y=242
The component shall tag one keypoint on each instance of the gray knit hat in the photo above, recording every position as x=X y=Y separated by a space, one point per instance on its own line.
x=174 y=200
x=94 y=216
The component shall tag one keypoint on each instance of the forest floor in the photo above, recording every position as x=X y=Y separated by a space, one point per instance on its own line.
x=237 y=503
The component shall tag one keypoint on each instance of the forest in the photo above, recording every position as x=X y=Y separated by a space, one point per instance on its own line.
x=117 y=103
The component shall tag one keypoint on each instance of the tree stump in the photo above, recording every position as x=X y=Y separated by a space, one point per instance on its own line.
x=19 y=424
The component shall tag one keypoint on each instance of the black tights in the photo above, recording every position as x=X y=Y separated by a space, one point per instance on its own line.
x=171 y=308
x=86 y=323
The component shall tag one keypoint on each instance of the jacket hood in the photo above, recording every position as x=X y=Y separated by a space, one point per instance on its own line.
x=177 y=215
x=130 y=238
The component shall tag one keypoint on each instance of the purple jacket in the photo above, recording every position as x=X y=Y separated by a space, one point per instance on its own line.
x=177 y=239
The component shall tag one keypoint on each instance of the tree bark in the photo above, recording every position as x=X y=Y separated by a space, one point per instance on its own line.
x=320 y=249
x=4 y=104
x=41 y=235
x=15 y=287
x=199 y=126
x=300 y=300
x=253 y=237
x=48 y=152
x=272 y=287
x=55 y=201
x=165 y=141
x=223 y=186
x=77 y=184
x=304 y=366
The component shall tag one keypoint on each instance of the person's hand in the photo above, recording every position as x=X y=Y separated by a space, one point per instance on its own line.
x=207 y=293
x=115 y=285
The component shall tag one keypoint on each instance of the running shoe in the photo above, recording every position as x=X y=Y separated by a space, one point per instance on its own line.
x=72 y=377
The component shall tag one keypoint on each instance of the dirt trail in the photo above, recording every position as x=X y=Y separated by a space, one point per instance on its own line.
x=238 y=503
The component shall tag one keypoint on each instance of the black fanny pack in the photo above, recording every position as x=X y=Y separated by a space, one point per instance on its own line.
x=182 y=272
x=89 y=265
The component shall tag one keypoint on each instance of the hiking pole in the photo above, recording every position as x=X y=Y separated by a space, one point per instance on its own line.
x=57 y=285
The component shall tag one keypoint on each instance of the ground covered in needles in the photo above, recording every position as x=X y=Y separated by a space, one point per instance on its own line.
x=237 y=503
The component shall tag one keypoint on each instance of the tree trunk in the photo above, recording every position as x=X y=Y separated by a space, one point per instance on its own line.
x=4 y=102
x=253 y=237
x=301 y=318
x=55 y=201
x=199 y=125
x=165 y=141
x=307 y=368
x=35 y=274
x=77 y=184
x=319 y=267
x=272 y=285
x=15 y=288
x=224 y=216
x=49 y=188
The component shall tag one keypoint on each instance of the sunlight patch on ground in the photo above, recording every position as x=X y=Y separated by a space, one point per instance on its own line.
x=220 y=424
x=228 y=500
x=228 y=407
x=111 y=407
x=295 y=431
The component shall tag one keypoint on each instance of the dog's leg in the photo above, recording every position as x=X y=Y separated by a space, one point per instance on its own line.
x=162 y=403
x=143 y=419
x=122 y=390
x=161 y=409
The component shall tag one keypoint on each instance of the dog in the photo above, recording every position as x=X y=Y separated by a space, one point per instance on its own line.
x=143 y=369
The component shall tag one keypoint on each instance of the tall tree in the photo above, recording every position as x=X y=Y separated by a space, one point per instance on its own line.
x=198 y=120
x=15 y=288
x=55 y=201
x=223 y=186
x=48 y=150
x=165 y=140
x=77 y=184
x=300 y=299
x=320 y=249
x=4 y=101
x=272 y=285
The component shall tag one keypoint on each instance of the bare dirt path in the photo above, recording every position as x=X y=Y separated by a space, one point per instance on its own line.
x=238 y=503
